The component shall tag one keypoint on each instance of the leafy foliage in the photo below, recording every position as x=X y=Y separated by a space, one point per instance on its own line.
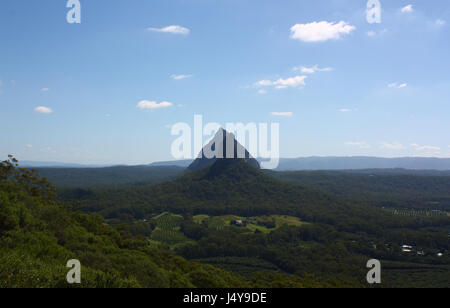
x=38 y=236
x=339 y=236
x=421 y=190
x=294 y=236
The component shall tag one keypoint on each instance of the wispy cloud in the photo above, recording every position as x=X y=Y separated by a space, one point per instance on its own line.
x=345 y=110
x=320 y=31
x=293 y=82
x=373 y=33
x=311 y=70
x=361 y=145
x=392 y=146
x=440 y=22
x=180 y=77
x=45 y=89
x=172 y=30
x=29 y=146
x=43 y=110
x=419 y=147
x=48 y=150
x=262 y=92
x=397 y=85
x=282 y=114
x=407 y=9
x=150 y=105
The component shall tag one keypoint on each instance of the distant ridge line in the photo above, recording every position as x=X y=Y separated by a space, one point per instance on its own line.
x=301 y=163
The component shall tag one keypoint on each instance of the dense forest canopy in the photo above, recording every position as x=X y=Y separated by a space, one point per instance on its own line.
x=229 y=220
x=38 y=236
x=339 y=235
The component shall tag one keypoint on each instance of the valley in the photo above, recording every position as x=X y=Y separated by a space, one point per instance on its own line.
x=261 y=229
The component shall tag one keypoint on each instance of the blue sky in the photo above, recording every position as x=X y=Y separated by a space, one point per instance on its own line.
x=336 y=84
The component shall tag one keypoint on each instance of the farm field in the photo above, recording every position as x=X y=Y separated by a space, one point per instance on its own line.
x=263 y=224
x=167 y=230
x=418 y=213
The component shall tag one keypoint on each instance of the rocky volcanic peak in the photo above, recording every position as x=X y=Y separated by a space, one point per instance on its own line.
x=223 y=146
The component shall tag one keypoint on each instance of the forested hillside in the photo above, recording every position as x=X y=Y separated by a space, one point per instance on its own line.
x=334 y=239
x=38 y=236
x=389 y=188
x=119 y=176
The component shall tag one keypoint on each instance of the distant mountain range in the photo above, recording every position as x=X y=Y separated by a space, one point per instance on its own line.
x=302 y=163
x=176 y=163
x=50 y=164
x=355 y=163
x=348 y=163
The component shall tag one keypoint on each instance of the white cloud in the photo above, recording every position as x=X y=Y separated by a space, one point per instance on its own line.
x=312 y=70
x=419 y=147
x=371 y=33
x=298 y=81
x=264 y=83
x=293 y=82
x=361 y=145
x=172 y=29
x=440 y=22
x=397 y=85
x=180 y=77
x=320 y=31
x=45 y=89
x=43 y=110
x=148 y=105
x=392 y=146
x=282 y=114
x=407 y=9
x=344 y=110
x=29 y=146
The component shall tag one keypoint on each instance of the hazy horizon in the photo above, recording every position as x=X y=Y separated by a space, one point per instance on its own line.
x=57 y=163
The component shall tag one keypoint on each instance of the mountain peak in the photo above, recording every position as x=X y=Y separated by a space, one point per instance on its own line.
x=223 y=146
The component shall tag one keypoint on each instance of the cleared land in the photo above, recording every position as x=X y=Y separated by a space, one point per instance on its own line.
x=263 y=224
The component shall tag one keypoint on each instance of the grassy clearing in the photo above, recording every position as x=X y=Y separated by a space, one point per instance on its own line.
x=287 y=220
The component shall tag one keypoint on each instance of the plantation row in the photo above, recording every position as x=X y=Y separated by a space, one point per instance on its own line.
x=418 y=213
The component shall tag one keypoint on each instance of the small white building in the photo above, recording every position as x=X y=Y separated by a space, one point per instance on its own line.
x=407 y=248
x=239 y=222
